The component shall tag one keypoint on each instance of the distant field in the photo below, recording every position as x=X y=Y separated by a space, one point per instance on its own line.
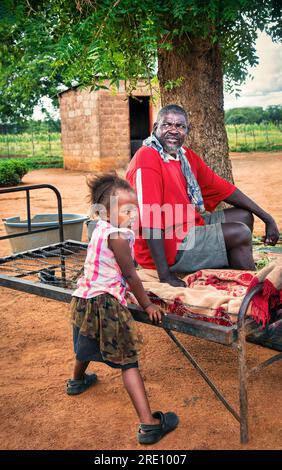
x=241 y=138
x=253 y=137
x=38 y=150
x=31 y=145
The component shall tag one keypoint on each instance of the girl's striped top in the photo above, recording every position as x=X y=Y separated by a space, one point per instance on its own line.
x=102 y=273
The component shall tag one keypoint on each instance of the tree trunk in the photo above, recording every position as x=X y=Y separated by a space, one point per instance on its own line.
x=200 y=93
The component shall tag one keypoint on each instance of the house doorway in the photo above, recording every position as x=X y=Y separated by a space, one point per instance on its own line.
x=140 y=121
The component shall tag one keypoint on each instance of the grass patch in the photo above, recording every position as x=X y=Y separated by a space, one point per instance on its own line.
x=36 y=163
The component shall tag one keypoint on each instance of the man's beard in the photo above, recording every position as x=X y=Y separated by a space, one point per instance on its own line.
x=168 y=147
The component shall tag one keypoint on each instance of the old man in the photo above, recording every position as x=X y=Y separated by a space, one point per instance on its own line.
x=179 y=229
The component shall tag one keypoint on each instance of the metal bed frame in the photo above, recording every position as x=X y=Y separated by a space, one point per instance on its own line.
x=234 y=336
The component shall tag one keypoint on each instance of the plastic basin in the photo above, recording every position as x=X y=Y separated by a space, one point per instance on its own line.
x=72 y=223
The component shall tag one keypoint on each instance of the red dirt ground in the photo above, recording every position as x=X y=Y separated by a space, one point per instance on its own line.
x=37 y=357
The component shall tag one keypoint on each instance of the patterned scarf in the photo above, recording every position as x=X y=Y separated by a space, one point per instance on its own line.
x=193 y=188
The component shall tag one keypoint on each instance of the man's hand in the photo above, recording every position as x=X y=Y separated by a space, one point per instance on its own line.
x=174 y=281
x=271 y=232
x=158 y=254
x=155 y=313
x=239 y=199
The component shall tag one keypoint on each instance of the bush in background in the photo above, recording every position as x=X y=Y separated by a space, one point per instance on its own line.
x=254 y=115
x=12 y=171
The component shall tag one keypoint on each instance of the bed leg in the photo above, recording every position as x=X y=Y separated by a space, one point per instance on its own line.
x=243 y=375
x=243 y=387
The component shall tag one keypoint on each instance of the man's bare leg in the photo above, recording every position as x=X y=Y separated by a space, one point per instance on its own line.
x=238 y=241
x=235 y=214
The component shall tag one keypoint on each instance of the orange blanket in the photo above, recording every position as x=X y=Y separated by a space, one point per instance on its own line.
x=216 y=295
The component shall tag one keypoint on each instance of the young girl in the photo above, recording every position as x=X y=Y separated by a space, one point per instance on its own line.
x=103 y=327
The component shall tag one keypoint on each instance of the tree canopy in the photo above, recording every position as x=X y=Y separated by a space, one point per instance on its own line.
x=254 y=115
x=47 y=44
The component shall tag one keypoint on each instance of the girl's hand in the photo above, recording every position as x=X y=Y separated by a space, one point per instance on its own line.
x=155 y=313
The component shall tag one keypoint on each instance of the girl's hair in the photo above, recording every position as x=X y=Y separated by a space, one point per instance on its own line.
x=104 y=186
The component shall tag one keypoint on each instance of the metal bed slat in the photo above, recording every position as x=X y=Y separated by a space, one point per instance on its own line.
x=198 y=328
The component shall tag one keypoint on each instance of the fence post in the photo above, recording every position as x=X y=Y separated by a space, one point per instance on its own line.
x=7 y=141
x=235 y=137
x=32 y=143
x=49 y=140
x=254 y=137
x=266 y=134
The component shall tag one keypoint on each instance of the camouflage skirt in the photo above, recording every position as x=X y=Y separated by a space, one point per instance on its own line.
x=107 y=328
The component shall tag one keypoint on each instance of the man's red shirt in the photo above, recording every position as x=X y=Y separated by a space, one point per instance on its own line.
x=163 y=183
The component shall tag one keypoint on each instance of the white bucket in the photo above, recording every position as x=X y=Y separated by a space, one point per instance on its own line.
x=72 y=223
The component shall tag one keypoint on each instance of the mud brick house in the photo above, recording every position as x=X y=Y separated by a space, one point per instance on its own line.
x=101 y=130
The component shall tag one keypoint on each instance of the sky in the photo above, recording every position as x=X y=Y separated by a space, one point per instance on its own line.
x=266 y=86
x=264 y=89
